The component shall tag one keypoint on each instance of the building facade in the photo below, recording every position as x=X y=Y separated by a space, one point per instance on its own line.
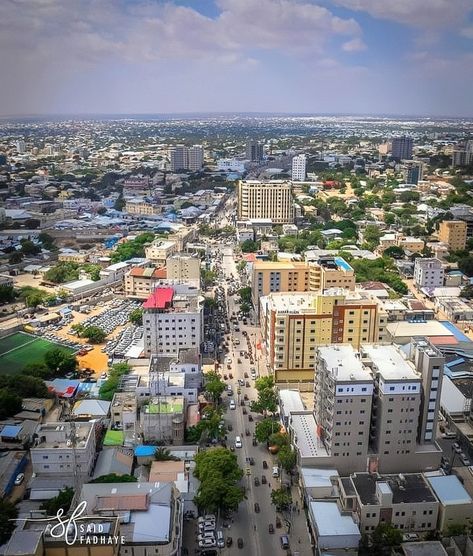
x=428 y=273
x=140 y=282
x=453 y=233
x=254 y=151
x=402 y=148
x=272 y=199
x=299 y=163
x=183 y=267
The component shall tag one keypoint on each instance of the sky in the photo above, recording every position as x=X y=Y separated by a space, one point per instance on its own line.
x=405 y=57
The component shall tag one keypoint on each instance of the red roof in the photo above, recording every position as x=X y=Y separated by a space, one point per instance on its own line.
x=161 y=298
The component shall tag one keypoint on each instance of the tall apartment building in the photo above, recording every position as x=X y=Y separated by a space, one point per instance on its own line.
x=453 y=233
x=254 y=151
x=186 y=158
x=377 y=408
x=158 y=251
x=182 y=267
x=428 y=273
x=21 y=146
x=195 y=156
x=463 y=154
x=413 y=171
x=282 y=276
x=294 y=325
x=172 y=321
x=402 y=148
x=140 y=282
x=299 y=163
x=271 y=199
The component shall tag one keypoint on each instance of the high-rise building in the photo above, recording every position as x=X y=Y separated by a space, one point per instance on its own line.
x=428 y=273
x=402 y=148
x=299 y=163
x=20 y=146
x=178 y=158
x=184 y=268
x=254 y=151
x=463 y=154
x=266 y=199
x=453 y=233
x=172 y=320
x=285 y=276
x=186 y=158
x=413 y=171
x=294 y=325
x=377 y=408
x=195 y=158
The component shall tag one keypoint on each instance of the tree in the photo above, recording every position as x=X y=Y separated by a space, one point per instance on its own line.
x=208 y=278
x=281 y=498
x=214 y=386
x=114 y=478
x=265 y=428
x=7 y=293
x=62 y=501
x=47 y=241
x=394 y=251
x=245 y=294
x=287 y=458
x=29 y=248
x=218 y=472
x=278 y=439
x=110 y=386
x=132 y=248
x=163 y=454
x=467 y=292
x=10 y=403
x=466 y=265
x=371 y=235
x=15 y=257
x=249 y=246
x=94 y=334
x=62 y=272
x=8 y=514
x=39 y=370
x=386 y=535
x=93 y=270
x=408 y=196
x=267 y=400
x=136 y=316
x=34 y=299
x=60 y=361
x=456 y=529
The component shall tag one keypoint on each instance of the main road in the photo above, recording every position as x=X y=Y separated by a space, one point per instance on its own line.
x=252 y=527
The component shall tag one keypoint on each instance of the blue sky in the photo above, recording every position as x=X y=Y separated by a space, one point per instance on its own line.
x=317 y=56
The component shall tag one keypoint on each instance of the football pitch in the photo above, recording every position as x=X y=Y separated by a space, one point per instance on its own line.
x=20 y=349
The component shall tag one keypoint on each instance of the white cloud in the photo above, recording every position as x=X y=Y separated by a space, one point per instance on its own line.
x=355 y=45
x=421 y=13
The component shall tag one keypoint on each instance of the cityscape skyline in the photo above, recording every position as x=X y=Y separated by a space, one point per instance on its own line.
x=315 y=57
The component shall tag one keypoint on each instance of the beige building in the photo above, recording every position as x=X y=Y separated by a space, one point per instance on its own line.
x=456 y=505
x=159 y=250
x=328 y=272
x=294 y=325
x=73 y=257
x=182 y=267
x=266 y=199
x=453 y=233
x=141 y=208
x=140 y=282
x=405 y=501
x=408 y=243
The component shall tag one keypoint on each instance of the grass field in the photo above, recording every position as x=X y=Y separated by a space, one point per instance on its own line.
x=20 y=349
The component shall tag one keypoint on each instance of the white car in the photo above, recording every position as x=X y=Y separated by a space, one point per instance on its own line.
x=19 y=479
x=232 y=404
x=207 y=527
x=206 y=535
x=229 y=360
x=238 y=443
x=207 y=543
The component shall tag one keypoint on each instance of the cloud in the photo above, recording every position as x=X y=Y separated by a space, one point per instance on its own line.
x=418 y=13
x=355 y=45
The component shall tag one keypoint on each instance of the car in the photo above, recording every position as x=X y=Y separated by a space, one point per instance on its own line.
x=229 y=541
x=456 y=447
x=257 y=482
x=229 y=360
x=253 y=375
x=257 y=508
x=19 y=479
x=206 y=535
x=230 y=427
x=271 y=528
x=225 y=377
x=265 y=464
x=275 y=471
x=245 y=375
x=207 y=543
x=207 y=527
x=250 y=417
x=240 y=542
x=410 y=537
x=220 y=539
x=232 y=404
x=263 y=479
x=284 y=539
x=207 y=517
x=238 y=443
x=251 y=461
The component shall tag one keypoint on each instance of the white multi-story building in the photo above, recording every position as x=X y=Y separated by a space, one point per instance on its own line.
x=428 y=273
x=231 y=165
x=299 y=163
x=261 y=199
x=172 y=321
x=54 y=453
x=195 y=158
x=186 y=158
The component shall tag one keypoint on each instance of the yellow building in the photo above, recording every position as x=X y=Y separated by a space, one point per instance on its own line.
x=141 y=208
x=73 y=257
x=266 y=199
x=285 y=276
x=141 y=282
x=453 y=233
x=294 y=325
x=158 y=251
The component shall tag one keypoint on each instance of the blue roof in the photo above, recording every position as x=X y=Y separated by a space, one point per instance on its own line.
x=455 y=362
x=10 y=431
x=449 y=490
x=145 y=450
x=454 y=330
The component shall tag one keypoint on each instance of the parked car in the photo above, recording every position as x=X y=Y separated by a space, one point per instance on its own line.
x=265 y=464
x=256 y=482
x=263 y=479
x=229 y=541
x=19 y=479
x=284 y=542
x=257 y=508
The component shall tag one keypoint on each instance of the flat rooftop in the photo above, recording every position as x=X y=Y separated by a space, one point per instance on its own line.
x=411 y=488
x=449 y=490
x=344 y=363
x=390 y=362
x=290 y=400
x=330 y=522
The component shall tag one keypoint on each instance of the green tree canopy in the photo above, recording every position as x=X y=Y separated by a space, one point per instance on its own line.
x=60 y=361
x=114 y=478
x=265 y=428
x=249 y=246
x=164 y=454
x=267 y=400
x=136 y=316
x=94 y=334
x=385 y=535
x=287 y=458
x=62 y=501
x=62 y=272
x=10 y=403
x=8 y=514
x=214 y=385
x=281 y=498
x=7 y=293
x=110 y=386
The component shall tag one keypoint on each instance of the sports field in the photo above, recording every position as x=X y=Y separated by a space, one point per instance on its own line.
x=20 y=349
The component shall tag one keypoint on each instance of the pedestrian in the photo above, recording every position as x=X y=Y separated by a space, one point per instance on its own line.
x=269 y=484
x=298 y=511
x=299 y=541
